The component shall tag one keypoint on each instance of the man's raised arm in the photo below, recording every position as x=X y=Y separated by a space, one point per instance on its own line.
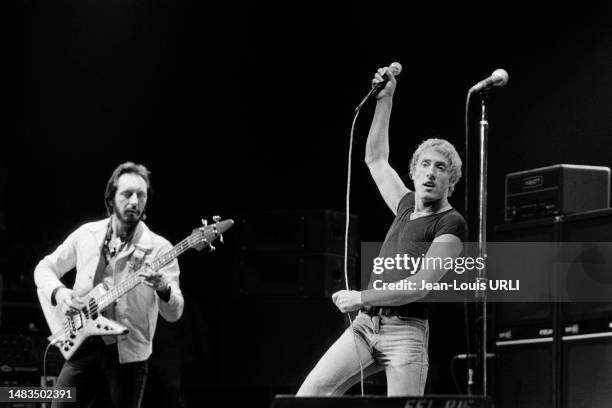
x=387 y=180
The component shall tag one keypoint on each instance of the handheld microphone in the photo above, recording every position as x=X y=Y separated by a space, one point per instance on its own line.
x=499 y=77
x=395 y=68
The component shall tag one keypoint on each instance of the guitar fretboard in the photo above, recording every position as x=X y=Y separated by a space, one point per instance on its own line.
x=133 y=280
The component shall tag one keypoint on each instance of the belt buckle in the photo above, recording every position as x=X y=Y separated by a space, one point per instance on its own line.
x=384 y=311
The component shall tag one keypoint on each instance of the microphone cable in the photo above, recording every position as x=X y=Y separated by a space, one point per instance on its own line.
x=375 y=89
x=346 y=238
x=45 y=385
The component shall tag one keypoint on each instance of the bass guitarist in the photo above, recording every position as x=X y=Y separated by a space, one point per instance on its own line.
x=109 y=251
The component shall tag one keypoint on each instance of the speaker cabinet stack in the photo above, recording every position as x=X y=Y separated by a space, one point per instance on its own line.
x=294 y=253
x=586 y=327
x=525 y=369
x=558 y=354
x=21 y=358
x=286 y=266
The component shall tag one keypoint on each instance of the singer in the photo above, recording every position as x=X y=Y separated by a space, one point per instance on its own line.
x=391 y=331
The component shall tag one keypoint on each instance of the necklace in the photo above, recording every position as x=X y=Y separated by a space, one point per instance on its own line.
x=115 y=246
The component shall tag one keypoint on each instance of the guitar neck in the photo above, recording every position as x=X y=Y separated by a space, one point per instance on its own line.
x=133 y=280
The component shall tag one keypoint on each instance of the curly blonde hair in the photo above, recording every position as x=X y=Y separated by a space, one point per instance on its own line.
x=446 y=149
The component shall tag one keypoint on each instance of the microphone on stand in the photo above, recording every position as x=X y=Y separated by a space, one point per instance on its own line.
x=499 y=77
x=395 y=69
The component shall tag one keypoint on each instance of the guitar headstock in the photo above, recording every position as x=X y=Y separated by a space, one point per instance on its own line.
x=203 y=236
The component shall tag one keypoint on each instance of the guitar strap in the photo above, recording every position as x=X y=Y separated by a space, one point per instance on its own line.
x=104 y=258
x=100 y=268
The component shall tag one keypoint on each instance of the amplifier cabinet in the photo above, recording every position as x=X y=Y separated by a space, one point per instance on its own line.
x=556 y=190
x=587 y=370
x=525 y=374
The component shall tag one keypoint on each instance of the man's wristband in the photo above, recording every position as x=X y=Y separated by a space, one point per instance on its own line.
x=165 y=295
x=53 y=300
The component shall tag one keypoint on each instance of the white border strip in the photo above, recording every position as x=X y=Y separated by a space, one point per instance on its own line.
x=525 y=341
x=586 y=336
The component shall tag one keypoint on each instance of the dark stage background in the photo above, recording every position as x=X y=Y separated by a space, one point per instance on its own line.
x=240 y=109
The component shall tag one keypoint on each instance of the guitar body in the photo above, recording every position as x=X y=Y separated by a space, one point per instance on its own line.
x=69 y=332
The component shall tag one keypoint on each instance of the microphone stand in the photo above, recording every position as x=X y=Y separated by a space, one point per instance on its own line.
x=481 y=295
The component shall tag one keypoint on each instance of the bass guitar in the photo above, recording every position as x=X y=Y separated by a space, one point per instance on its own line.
x=70 y=331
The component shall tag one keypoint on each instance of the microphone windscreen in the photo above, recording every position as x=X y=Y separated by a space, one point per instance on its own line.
x=395 y=68
x=500 y=75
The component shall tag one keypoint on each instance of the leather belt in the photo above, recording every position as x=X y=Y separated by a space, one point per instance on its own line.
x=401 y=311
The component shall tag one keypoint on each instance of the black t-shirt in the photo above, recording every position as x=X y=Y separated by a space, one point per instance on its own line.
x=414 y=237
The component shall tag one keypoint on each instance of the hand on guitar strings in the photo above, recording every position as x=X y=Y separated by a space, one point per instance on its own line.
x=154 y=279
x=68 y=301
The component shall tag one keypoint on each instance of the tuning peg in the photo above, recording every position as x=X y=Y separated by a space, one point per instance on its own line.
x=204 y=222
x=221 y=239
x=216 y=218
x=211 y=248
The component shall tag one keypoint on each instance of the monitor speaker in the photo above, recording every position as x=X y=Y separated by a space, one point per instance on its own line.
x=378 y=401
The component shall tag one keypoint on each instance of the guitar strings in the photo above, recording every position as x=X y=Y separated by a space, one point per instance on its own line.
x=132 y=281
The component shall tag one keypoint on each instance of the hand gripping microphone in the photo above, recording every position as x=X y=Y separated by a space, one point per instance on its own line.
x=395 y=68
x=499 y=77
